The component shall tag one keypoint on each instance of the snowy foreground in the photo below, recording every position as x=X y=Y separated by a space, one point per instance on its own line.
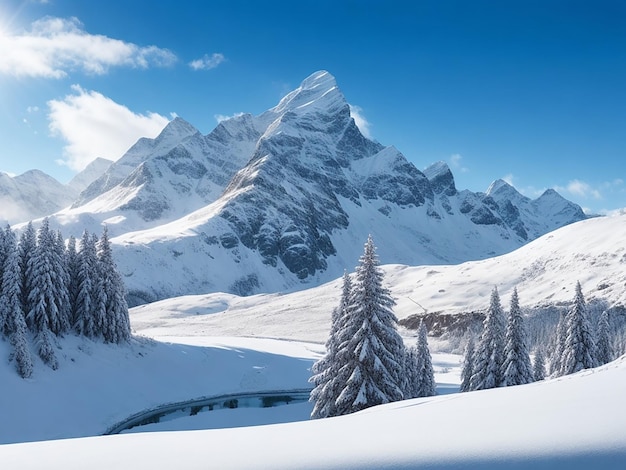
x=574 y=422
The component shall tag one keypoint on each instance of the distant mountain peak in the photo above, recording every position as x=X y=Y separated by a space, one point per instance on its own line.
x=317 y=90
x=441 y=178
x=499 y=185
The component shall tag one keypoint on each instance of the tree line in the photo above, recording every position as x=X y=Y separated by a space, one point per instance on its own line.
x=366 y=361
x=49 y=288
x=501 y=357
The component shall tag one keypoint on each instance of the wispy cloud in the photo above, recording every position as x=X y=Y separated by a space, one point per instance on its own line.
x=509 y=179
x=93 y=126
x=359 y=119
x=222 y=117
x=580 y=189
x=55 y=46
x=207 y=62
x=457 y=163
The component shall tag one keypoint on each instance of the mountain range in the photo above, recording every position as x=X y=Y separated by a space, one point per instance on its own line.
x=283 y=201
x=35 y=194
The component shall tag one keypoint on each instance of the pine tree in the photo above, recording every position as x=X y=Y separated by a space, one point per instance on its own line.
x=44 y=341
x=3 y=255
x=468 y=365
x=603 y=341
x=48 y=293
x=411 y=383
x=517 y=368
x=11 y=307
x=426 y=374
x=372 y=357
x=539 y=372
x=489 y=355
x=72 y=263
x=27 y=247
x=579 y=350
x=63 y=282
x=4 y=248
x=116 y=327
x=326 y=390
x=556 y=357
x=99 y=297
x=44 y=295
x=85 y=320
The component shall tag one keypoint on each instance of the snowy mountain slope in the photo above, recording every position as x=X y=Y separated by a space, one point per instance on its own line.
x=173 y=133
x=524 y=427
x=31 y=195
x=92 y=172
x=296 y=214
x=545 y=271
x=284 y=200
x=34 y=194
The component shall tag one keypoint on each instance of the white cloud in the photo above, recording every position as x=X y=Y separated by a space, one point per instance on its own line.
x=222 y=117
x=359 y=119
x=455 y=162
x=96 y=126
x=581 y=189
x=55 y=46
x=207 y=62
x=509 y=179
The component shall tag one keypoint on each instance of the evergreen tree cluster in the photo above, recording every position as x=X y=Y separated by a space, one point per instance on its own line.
x=501 y=357
x=366 y=362
x=576 y=345
x=48 y=289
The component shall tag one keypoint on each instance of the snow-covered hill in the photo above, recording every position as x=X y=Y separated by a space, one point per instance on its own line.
x=196 y=346
x=545 y=272
x=575 y=422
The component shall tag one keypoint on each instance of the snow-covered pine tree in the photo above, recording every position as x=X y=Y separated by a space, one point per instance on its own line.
x=539 y=370
x=579 y=350
x=556 y=357
x=99 y=296
x=603 y=339
x=3 y=255
x=45 y=294
x=468 y=365
x=372 y=357
x=489 y=354
x=48 y=291
x=44 y=342
x=326 y=390
x=63 y=276
x=11 y=307
x=72 y=265
x=27 y=247
x=411 y=382
x=117 y=322
x=427 y=385
x=517 y=368
x=85 y=321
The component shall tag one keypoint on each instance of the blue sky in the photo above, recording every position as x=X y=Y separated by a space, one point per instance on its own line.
x=529 y=91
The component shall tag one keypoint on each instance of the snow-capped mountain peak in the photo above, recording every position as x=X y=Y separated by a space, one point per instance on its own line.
x=319 y=90
x=441 y=178
x=284 y=200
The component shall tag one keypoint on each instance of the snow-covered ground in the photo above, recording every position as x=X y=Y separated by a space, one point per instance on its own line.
x=576 y=422
x=200 y=346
